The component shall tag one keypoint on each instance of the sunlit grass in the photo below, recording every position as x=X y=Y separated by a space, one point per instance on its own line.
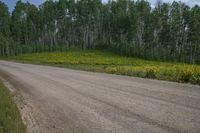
x=10 y=119
x=102 y=61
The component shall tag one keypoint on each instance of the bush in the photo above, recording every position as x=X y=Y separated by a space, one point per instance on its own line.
x=195 y=79
x=186 y=75
x=111 y=69
x=150 y=72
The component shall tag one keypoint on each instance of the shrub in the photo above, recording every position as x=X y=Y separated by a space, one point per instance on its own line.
x=150 y=72
x=195 y=78
x=186 y=75
x=111 y=69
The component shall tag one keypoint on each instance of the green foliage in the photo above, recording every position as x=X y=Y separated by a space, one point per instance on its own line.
x=191 y=74
x=10 y=119
x=150 y=72
x=103 y=61
x=168 y=32
x=4 y=20
x=111 y=69
x=7 y=46
x=185 y=75
x=195 y=78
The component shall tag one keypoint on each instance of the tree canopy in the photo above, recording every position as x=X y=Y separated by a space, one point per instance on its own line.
x=132 y=28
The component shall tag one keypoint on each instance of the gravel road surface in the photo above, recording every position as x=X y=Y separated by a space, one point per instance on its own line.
x=58 y=100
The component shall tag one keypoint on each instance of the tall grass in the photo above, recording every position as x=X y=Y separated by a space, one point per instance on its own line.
x=103 y=61
x=10 y=119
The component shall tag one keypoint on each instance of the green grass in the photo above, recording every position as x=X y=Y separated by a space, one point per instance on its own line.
x=101 y=61
x=10 y=119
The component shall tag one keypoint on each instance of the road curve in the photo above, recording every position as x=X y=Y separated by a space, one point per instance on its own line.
x=70 y=101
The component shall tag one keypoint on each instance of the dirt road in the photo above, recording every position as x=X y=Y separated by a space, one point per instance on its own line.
x=69 y=101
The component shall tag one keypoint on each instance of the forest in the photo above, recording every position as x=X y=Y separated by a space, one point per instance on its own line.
x=166 y=32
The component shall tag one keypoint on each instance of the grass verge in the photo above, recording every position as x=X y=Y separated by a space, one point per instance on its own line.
x=102 y=61
x=10 y=118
